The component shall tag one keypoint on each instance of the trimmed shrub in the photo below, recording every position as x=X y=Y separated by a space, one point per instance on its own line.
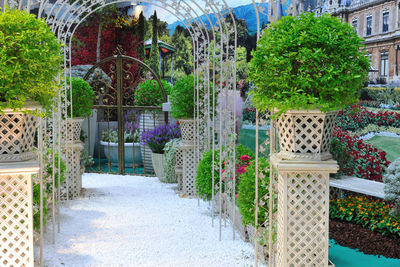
x=148 y=93
x=82 y=98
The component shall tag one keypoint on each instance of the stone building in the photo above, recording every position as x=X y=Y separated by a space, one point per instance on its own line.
x=377 y=21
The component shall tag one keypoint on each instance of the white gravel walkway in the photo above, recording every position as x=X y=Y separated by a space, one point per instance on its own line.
x=138 y=221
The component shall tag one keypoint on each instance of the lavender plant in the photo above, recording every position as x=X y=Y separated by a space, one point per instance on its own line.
x=159 y=136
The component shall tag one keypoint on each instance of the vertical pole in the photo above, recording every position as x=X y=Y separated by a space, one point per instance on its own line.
x=256 y=197
x=120 y=89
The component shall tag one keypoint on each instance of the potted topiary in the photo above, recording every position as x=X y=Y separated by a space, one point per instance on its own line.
x=29 y=62
x=156 y=140
x=182 y=106
x=305 y=68
x=82 y=103
x=149 y=94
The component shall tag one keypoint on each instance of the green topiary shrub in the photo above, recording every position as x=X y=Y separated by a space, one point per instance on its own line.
x=148 y=93
x=82 y=98
x=182 y=97
x=29 y=60
x=246 y=195
x=308 y=62
x=203 y=181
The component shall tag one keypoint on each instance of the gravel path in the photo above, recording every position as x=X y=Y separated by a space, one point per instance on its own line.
x=138 y=221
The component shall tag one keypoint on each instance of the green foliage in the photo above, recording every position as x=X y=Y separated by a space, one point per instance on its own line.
x=242 y=70
x=373 y=214
x=183 y=58
x=385 y=95
x=178 y=74
x=170 y=151
x=392 y=186
x=247 y=189
x=140 y=48
x=182 y=97
x=154 y=60
x=82 y=98
x=203 y=181
x=29 y=60
x=342 y=156
x=111 y=136
x=149 y=93
x=377 y=129
x=204 y=169
x=308 y=62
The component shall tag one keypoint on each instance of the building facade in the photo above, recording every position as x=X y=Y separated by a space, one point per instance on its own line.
x=377 y=21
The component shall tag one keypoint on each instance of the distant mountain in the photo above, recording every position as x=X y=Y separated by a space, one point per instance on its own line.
x=245 y=12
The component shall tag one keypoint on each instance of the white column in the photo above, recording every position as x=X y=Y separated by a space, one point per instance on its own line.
x=16 y=213
x=303 y=211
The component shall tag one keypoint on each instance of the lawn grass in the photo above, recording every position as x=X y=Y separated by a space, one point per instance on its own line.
x=391 y=145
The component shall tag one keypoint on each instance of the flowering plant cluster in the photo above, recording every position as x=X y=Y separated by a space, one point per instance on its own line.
x=373 y=214
x=159 y=136
x=369 y=162
x=357 y=117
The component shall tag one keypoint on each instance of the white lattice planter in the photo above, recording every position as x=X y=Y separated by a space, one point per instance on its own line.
x=16 y=213
x=73 y=129
x=72 y=186
x=188 y=130
x=305 y=134
x=179 y=167
x=303 y=211
x=17 y=134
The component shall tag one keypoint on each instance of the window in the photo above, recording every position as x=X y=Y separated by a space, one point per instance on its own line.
x=369 y=25
x=384 y=64
x=385 y=25
x=355 y=25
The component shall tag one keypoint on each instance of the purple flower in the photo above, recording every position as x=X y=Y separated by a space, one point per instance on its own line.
x=159 y=136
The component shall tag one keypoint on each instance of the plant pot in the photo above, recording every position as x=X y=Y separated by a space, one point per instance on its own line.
x=158 y=165
x=73 y=129
x=18 y=134
x=187 y=130
x=111 y=153
x=149 y=122
x=305 y=134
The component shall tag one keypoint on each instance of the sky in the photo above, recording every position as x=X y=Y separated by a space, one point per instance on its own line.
x=166 y=16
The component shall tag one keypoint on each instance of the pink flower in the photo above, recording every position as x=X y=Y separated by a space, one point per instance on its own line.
x=245 y=157
x=222 y=171
x=241 y=170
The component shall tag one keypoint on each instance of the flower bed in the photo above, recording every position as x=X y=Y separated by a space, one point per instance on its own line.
x=373 y=214
x=368 y=161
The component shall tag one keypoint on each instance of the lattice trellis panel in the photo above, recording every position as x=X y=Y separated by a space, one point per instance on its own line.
x=73 y=183
x=16 y=214
x=305 y=134
x=17 y=136
x=179 y=167
x=303 y=212
x=189 y=170
x=188 y=130
x=73 y=128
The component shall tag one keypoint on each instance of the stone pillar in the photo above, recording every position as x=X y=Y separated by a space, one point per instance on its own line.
x=303 y=211
x=16 y=213
x=73 y=181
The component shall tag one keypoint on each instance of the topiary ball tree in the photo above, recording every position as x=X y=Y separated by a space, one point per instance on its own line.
x=392 y=185
x=246 y=195
x=308 y=62
x=149 y=93
x=82 y=98
x=29 y=60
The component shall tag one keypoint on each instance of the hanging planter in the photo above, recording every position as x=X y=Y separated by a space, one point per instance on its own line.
x=18 y=134
x=305 y=134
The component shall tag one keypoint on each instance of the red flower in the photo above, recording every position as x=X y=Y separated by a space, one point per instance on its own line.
x=245 y=157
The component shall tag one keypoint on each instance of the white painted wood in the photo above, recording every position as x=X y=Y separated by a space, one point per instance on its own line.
x=359 y=185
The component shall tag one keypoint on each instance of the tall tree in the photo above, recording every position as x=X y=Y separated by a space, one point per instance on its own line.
x=154 y=60
x=141 y=52
x=183 y=58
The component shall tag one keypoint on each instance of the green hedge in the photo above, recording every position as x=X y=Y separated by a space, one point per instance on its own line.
x=381 y=94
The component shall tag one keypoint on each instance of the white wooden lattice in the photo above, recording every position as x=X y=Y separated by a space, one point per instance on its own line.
x=305 y=134
x=74 y=127
x=179 y=167
x=189 y=170
x=73 y=183
x=16 y=214
x=303 y=212
x=17 y=136
x=188 y=130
